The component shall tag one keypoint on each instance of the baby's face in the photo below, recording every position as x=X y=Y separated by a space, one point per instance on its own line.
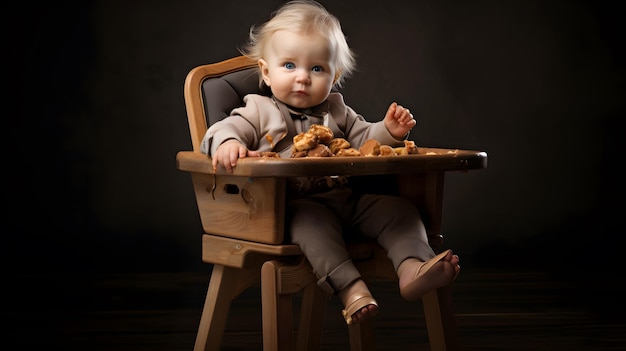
x=298 y=68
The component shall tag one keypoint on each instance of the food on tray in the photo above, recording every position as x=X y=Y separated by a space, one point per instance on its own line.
x=348 y=152
x=409 y=148
x=270 y=154
x=338 y=144
x=320 y=150
x=386 y=150
x=305 y=141
x=319 y=141
x=324 y=134
x=370 y=148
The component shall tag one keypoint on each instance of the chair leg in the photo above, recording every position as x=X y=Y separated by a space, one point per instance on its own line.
x=362 y=336
x=276 y=310
x=440 y=320
x=225 y=285
x=312 y=313
x=279 y=282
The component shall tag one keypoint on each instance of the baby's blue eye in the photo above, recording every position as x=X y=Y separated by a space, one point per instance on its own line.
x=317 y=69
x=290 y=65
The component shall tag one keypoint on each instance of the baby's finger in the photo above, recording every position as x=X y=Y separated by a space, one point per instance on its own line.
x=392 y=110
x=234 y=156
x=408 y=115
x=399 y=111
x=405 y=112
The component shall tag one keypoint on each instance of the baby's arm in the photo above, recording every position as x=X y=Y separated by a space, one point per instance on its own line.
x=229 y=152
x=399 y=120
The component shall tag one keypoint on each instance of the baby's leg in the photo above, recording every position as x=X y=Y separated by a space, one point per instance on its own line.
x=317 y=230
x=397 y=225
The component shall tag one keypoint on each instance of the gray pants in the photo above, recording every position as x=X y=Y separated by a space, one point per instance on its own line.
x=321 y=223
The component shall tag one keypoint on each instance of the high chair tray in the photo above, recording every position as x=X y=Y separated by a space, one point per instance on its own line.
x=427 y=160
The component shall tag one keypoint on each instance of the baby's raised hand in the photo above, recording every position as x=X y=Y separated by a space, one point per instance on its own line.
x=399 y=120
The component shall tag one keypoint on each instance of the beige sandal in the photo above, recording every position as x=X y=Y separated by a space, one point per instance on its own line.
x=359 y=300
x=411 y=293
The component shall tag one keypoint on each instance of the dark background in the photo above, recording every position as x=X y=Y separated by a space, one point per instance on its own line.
x=91 y=183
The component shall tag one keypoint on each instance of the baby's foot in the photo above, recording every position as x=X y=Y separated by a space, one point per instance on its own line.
x=358 y=301
x=416 y=278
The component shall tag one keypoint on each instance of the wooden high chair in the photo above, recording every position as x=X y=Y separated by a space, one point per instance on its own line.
x=243 y=214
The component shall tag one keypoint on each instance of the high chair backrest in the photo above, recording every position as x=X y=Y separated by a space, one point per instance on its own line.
x=212 y=91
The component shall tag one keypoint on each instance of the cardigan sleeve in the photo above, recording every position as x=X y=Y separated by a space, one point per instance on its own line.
x=253 y=125
x=356 y=128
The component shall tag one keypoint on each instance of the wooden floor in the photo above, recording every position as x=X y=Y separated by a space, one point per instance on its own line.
x=507 y=310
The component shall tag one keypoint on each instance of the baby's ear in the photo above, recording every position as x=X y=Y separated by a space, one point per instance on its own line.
x=337 y=76
x=263 y=68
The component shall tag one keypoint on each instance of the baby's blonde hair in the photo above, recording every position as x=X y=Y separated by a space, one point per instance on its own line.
x=305 y=16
